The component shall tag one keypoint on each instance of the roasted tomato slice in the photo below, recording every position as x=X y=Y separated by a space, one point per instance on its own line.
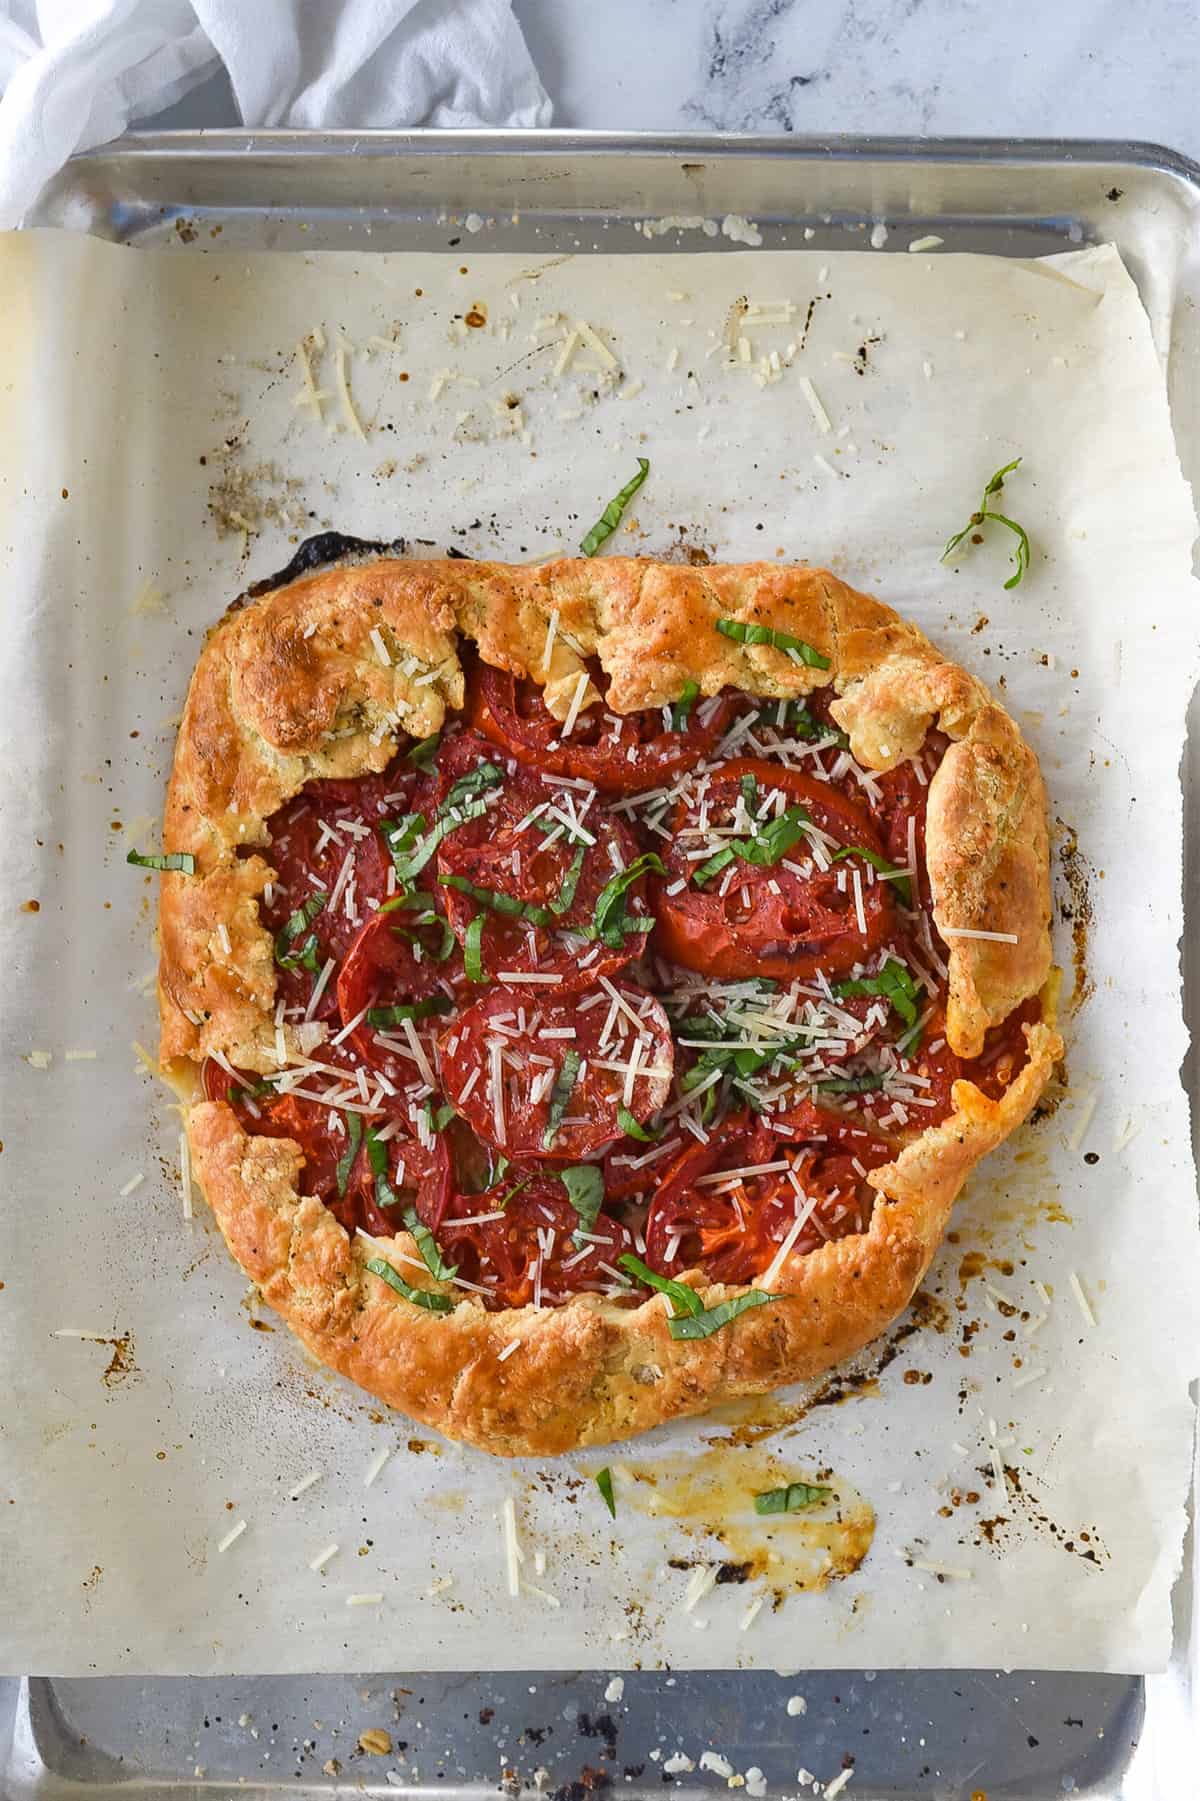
x=544 y=1078
x=523 y=850
x=625 y=754
x=770 y=919
x=733 y=1228
x=396 y=961
x=520 y=1242
x=1004 y=1055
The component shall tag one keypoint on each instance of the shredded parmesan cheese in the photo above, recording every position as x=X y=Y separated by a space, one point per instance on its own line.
x=234 y=1533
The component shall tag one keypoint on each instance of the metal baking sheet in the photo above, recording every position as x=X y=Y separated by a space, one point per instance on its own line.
x=942 y=1734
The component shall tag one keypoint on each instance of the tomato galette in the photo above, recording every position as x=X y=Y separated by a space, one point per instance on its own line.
x=599 y=977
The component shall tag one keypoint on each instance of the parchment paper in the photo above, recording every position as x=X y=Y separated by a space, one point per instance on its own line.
x=151 y=462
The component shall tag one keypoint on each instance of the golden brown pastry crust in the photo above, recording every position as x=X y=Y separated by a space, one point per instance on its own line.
x=294 y=687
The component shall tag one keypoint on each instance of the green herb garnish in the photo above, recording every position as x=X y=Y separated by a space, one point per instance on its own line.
x=427 y=1246
x=422 y=753
x=468 y=787
x=385 y=1194
x=181 y=860
x=473 y=950
x=797 y=719
x=685 y=1300
x=428 y=916
x=903 y=884
x=984 y=512
x=604 y=1483
x=395 y=1016
x=864 y=1084
x=893 y=982
x=792 y=1499
x=420 y=1297
x=304 y=956
x=410 y=852
x=499 y=903
x=346 y=1161
x=711 y=1319
x=681 y=710
x=769 y=843
x=560 y=1094
x=741 y=633
x=437 y=1119
x=610 y=922
x=585 y=1190
x=570 y=883
x=633 y=1129
x=516 y=1188
x=610 y=518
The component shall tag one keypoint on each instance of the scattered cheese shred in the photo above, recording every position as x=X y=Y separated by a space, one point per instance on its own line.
x=305 y=1483
x=1084 y=1305
x=752 y=1612
x=823 y=421
x=376 y=1466
x=234 y=1533
x=929 y=243
x=185 y=1174
x=375 y=1600
x=79 y=1056
x=987 y=937
x=512 y=1548
x=834 y=1788
x=39 y=1059
x=343 y=387
x=133 y=1182
x=323 y=1557
x=1087 y=1108
x=701 y=1582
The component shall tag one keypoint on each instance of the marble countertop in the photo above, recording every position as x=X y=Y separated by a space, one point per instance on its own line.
x=1078 y=68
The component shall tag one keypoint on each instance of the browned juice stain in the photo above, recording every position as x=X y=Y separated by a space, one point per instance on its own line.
x=1076 y=908
x=710 y=1496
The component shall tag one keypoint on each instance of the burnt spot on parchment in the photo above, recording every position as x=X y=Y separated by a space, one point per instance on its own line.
x=1073 y=897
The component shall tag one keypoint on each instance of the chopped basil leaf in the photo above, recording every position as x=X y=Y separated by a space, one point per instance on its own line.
x=604 y=1483
x=984 y=512
x=792 y=1499
x=468 y=787
x=427 y=1246
x=420 y=1297
x=902 y=884
x=610 y=518
x=502 y=1203
x=749 y=789
x=610 y=922
x=346 y=1160
x=385 y=1194
x=570 y=883
x=499 y=903
x=560 y=1094
x=711 y=1319
x=473 y=950
x=585 y=1190
x=685 y=1300
x=798 y=720
x=422 y=753
x=410 y=852
x=741 y=633
x=864 y=1084
x=305 y=955
x=438 y=1119
x=394 y=1016
x=893 y=982
x=428 y=916
x=681 y=711
x=633 y=1129
x=182 y=860
x=769 y=843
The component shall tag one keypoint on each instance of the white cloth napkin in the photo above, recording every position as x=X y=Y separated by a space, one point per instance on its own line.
x=74 y=73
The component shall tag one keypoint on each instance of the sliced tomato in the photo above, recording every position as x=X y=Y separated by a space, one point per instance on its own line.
x=1004 y=1055
x=543 y=1111
x=769 y=920
x=395 y=961
x=620 y=754
x=537 y=863
x=536 y=1225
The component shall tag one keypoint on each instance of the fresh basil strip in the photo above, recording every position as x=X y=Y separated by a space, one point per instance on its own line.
x=473 y=950
x=633 y=1128
x=685 y=1300
x=182 y=860
x=1022 y=553
x=427 y=1246
x=681 y=710
x=798 y=720
x=499 y=903
x=346 y=1160
x=741 y=633
x=469 y=787
x=395 y=1016
x=749 y=788
x=864 y=1084
x=893 y=982
x=585 y=1191
x=438 y=1119
x=604 y=1483
x=420 y=1297
x=902 y=884
x=792 y=1499
x=610 y=922
x=550 y=827
x=422 y=753
x=305 y=955
x=570 y=883
x=737 y=1060
x=711 y=1319
x=560 y=1094
x=610 y=518
x=428 y=916
x=385 y=1194
x=516 y=1188
x=770 y=843
x=409 y=851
